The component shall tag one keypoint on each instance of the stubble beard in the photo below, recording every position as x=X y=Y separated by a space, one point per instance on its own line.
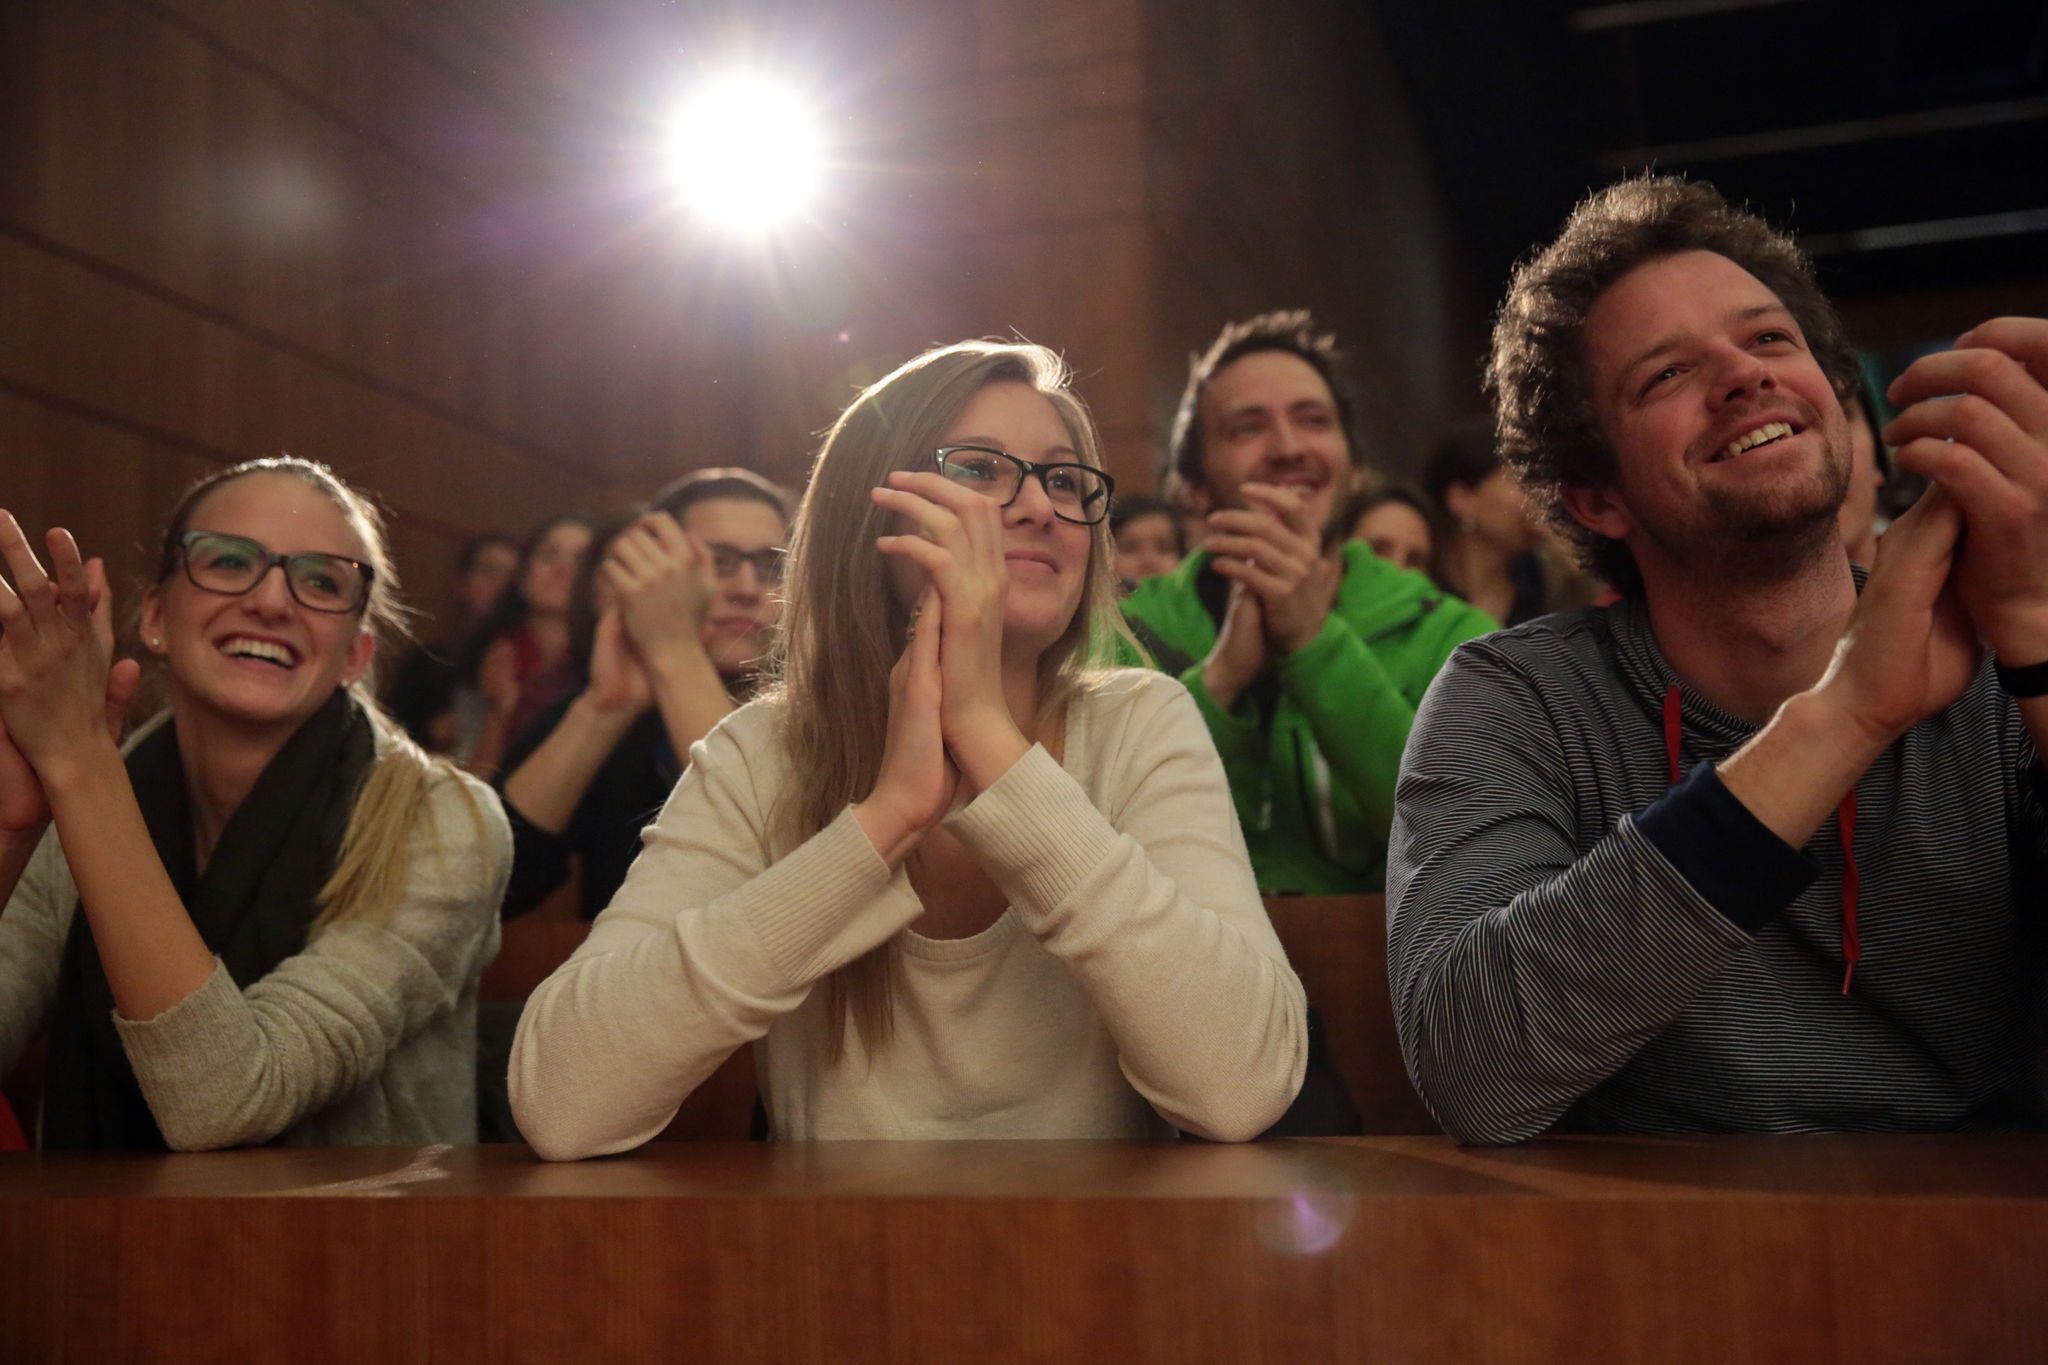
x=1769 y=533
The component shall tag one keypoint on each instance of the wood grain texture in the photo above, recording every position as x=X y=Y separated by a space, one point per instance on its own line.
x=1800 y=1250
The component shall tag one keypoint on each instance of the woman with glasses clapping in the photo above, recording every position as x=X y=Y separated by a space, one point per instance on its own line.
x=669 y=626
x=952 y=876
x=267 y=920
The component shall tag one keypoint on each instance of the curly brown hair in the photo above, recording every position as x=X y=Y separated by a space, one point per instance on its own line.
x=1536 y=377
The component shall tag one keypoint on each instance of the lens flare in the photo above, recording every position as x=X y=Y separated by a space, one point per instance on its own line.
x=747 y=153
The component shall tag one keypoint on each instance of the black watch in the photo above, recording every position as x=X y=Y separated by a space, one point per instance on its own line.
x=2028 y=681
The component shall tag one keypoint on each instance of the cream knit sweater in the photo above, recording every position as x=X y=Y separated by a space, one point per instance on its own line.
x=1133 y=978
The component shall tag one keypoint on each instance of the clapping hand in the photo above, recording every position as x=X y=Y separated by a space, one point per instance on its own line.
x=958 y=545
x=58 y=686
x=1976 y=423
x=618 y=679
x=664 y=581
x=918 y=780
x=1271 y=547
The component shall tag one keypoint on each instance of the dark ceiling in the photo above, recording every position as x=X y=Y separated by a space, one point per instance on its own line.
x=1907 y=144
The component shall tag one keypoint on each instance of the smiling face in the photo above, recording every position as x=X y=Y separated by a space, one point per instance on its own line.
x=259 y=659
x=743 y=608
x=1725 y=431
x=1046 y=558
x=1268 y=417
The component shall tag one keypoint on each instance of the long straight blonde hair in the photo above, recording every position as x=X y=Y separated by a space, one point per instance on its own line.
x=843 y=628
x=375 y=858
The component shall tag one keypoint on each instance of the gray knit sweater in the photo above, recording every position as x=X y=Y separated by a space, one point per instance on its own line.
x=367 y=1036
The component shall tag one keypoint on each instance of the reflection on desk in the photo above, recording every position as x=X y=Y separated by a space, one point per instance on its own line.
x=1584 y=1249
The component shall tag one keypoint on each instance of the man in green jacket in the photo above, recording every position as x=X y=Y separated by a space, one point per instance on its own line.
x=1307 y=662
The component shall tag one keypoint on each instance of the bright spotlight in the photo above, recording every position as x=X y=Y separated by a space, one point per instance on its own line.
x=747 y=153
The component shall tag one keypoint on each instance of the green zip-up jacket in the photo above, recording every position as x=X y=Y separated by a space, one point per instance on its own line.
x=1314 y=779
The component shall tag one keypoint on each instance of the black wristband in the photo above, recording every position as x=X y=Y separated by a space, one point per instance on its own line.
x=2028 y=681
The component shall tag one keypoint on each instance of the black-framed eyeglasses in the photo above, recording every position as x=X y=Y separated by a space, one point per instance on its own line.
x=1078 y=492
x=233 y=565
x=767 y=561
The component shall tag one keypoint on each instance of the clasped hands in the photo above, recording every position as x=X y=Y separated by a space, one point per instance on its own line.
x=1282 y=585
x=1969 y=562
x=949 y=718
x=662 y=582
x=61 y=693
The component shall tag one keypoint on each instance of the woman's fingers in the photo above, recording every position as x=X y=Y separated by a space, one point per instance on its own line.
x=122 y=680
x=664 y=533
x=32 y=593
x=635 y=552
x=102 y=600
x=932 y=521
x=919 y=551
x=926 y=631
x=67 y=568
x=938 y=489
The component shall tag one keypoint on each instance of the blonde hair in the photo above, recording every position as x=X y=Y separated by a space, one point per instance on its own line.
x=375 y=858
x=843 y=629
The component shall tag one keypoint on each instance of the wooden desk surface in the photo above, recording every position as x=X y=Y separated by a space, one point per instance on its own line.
x=1378 y=1249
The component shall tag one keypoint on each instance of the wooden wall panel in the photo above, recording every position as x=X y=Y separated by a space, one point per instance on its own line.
x=1286 y=172
x=416 y=241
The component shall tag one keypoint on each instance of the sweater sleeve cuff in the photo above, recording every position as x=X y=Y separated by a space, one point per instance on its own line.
x=1730 y=857
x=801 y=906
x=1023 y=829
x=185 y=1038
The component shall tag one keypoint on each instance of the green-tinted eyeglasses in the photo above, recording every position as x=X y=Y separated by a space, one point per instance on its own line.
x=233 y=565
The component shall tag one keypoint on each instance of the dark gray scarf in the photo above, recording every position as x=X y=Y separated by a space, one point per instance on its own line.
x=253 y=906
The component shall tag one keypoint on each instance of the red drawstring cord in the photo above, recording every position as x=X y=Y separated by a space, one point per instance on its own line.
x=1845 y=822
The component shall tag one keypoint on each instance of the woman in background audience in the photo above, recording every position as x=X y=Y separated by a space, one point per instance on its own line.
x=516 y=664
x=268 y=921
x=1147 y=537
x=951 y=877
x=422 y=695
x=1397 y=523
x=684 y=602
x=1488 y=555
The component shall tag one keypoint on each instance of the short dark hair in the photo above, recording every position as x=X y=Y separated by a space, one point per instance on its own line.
x=1536 y=377
x=702 y=485
x=1128 y=507
x=1291 y=330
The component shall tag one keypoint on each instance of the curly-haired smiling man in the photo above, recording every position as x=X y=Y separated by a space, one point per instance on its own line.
x=1759 y=848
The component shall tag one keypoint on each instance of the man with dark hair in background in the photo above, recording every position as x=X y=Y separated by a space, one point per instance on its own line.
x=1306 y=656
x=1746 y=851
